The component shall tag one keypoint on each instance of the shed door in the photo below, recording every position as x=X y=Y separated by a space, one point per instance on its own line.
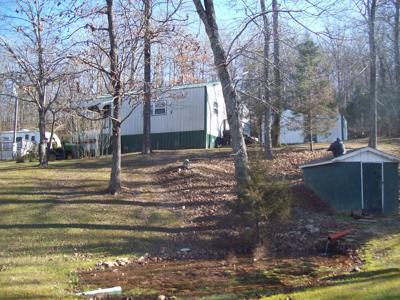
x=372 y=180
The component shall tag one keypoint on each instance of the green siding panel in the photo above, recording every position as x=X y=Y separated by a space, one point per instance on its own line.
x=391 y=189
x=339 y=184
x=165 y=141
x=372 y=176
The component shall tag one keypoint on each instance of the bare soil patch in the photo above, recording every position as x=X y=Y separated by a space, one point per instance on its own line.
x=192 y=279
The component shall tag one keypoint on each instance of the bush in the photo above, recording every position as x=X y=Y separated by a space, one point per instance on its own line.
x=266 y=202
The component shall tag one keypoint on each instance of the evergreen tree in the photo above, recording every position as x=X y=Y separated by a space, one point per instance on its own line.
x=313 y=94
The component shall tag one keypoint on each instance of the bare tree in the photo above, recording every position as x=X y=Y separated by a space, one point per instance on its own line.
x=37 y=53
x=396 y=41
x=267 y=98
x=206 y=12
x=115 y=78
x=371 y=11
x=277 y=84
x=115 y=51
x=147 y=79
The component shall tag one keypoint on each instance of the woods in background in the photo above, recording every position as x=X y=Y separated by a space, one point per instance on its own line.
x=314 y=58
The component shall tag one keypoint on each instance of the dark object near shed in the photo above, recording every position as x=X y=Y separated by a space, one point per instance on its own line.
x=337 y=148
x=364 y=179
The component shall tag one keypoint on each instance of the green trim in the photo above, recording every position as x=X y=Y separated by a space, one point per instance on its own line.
x=165 y=141
x=205 y=114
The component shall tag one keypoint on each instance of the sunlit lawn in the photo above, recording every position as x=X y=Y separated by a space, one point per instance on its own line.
x=379 y=277
x=55 y=220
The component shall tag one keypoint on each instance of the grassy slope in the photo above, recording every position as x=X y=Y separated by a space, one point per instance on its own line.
x=55 y=220
x=379 y=277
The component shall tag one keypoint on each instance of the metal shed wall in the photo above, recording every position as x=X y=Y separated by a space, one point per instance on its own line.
x=339 y=184
x=391 y=187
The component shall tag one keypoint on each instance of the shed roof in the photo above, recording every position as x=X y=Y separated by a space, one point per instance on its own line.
x=366 y=154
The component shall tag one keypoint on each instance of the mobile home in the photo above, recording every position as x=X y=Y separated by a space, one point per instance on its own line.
x=292 y=128
x=182 y=117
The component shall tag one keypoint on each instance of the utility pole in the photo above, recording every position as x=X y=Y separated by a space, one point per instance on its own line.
x=14 y=152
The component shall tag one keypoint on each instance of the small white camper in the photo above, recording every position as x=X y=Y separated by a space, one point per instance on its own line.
x=26 y=141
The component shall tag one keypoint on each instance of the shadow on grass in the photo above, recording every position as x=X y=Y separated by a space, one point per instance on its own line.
x=152 y=203
x=159 y=229
x=365 y=276
x=375 y=277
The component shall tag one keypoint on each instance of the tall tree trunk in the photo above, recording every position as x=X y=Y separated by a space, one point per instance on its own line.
x=267 y=98
x=373 y=92
x=115 y=178
x=232 y=101
x=53 y=123
x=43 y=160
x=310 y=125
x=41 y=93
x=396 y=42
x=277 y=91
x=147 y=80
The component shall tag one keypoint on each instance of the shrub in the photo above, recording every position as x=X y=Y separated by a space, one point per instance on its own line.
x=266 y=202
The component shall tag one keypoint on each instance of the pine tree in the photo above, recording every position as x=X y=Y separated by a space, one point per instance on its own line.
x=313 y=94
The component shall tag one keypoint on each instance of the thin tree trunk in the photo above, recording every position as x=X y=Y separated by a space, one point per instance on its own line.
x=396 y=42
x=147 y=81
x=53 y=122
x=276 y=126
x=43 y=161
x=232 y=101
x=115 y=179
x=267 y=96
x=310 y=126
x=372 y=80
x=41 y=92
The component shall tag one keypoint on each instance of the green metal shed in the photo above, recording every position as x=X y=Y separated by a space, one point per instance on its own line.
x=364 y=179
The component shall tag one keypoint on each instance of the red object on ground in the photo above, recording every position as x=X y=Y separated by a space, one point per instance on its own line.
x=338 y=235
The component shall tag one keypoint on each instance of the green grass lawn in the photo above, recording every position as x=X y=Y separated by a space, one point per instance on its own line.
x=56 y=220
x=379 y=277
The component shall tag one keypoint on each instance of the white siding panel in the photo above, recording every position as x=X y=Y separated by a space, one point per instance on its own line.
x=215 y=121
x=185 y=112
x=291 y=128
x=333 y=133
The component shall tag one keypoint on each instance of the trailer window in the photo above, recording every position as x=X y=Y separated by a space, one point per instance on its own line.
x=32 y=138
x=26 y=136
x=159 y=108
x=216 y=108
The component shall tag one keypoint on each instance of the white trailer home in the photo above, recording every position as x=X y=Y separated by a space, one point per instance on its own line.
x=292 y=128
x=182 y=117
